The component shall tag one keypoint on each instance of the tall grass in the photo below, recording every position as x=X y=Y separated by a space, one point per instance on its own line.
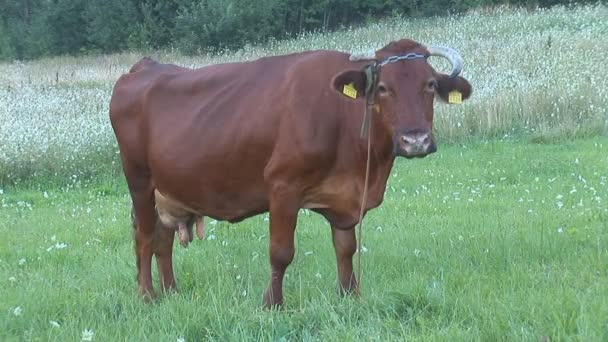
x=535 y=74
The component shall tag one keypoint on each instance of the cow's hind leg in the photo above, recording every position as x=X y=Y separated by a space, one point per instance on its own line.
x=345 y=245
x=145 y=222
x=163 y=249
x=283 y=217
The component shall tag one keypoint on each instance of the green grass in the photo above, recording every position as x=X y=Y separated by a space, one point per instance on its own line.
x=484 y=241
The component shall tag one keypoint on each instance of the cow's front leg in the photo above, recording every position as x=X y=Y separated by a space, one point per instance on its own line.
x=283 y=218
x=345 y=244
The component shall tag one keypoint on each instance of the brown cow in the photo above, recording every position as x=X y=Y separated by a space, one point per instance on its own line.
x=276 y=134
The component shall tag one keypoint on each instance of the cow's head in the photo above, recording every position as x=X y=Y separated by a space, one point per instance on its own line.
x=406 y=90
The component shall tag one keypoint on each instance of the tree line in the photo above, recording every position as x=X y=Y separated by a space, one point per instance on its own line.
x=36 y=28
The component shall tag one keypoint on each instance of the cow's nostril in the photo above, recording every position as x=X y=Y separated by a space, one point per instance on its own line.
x=407 y=140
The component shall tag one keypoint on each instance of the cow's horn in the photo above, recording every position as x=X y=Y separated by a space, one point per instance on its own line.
x=362 y=56
x=451 y=55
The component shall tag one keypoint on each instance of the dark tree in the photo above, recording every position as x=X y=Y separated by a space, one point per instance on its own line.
x=34 y=28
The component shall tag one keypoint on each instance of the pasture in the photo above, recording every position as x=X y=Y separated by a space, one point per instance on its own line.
x=483 y=241
x=500 y=235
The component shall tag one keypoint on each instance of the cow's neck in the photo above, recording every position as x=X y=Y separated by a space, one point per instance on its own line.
x=381 y=163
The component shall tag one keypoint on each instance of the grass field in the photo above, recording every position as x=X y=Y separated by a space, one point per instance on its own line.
x=485 y=241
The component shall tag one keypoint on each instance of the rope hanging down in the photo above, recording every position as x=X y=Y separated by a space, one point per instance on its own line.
x=372 y=73
x=372 y=77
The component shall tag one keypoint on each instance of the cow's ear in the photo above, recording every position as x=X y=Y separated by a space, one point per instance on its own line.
x=347 y=81
x=456 y=85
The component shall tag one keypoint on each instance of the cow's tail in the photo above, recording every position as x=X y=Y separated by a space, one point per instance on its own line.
x=142 y=64
x=134 y=224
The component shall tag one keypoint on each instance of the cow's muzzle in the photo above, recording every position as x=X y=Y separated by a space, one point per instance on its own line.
x=415 y=144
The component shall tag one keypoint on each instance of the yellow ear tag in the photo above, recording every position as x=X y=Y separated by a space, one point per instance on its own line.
x=455 y=97
x=350 y=91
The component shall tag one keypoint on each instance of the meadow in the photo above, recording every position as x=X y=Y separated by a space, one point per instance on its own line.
x=500 y=235
x=484 y=241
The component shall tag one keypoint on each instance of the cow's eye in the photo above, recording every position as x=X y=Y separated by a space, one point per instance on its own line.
x=431 y=85
x=382 y=89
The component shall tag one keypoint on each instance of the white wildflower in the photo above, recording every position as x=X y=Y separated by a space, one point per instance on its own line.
x=87 y=335
x=58 y=245
x=17 y=311
x=22 y=261
x=55 y=324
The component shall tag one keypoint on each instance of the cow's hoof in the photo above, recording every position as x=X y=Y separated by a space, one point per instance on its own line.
x=271 y=302
x=352 y=291
x=169 y=289
x=148 y=296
